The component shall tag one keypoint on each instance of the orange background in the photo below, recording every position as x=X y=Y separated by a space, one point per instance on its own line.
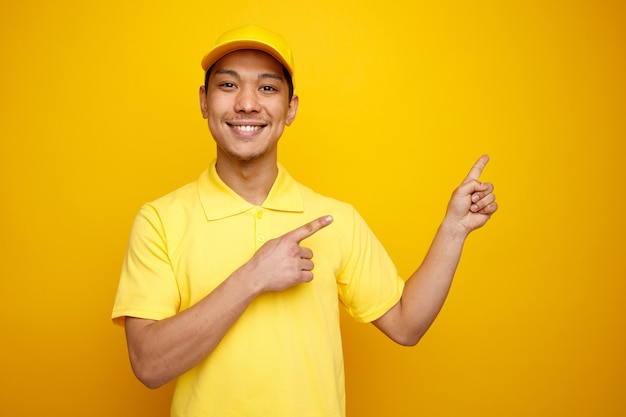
x=99 y=113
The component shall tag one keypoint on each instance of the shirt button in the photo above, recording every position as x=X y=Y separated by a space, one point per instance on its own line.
x=259 y=215
x=260 y=238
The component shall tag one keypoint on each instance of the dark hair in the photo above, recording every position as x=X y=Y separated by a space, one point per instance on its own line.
x=285 y=74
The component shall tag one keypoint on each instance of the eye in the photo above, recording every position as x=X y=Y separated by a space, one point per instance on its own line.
x=268 y=88
x=227 y=85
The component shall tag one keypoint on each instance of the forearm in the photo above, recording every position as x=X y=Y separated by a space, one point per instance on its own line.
x=426 y=290
x=163 y=350
x=470 y=207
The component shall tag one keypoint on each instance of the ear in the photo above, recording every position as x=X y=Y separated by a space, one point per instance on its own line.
x=203 y=103
x=293 y=109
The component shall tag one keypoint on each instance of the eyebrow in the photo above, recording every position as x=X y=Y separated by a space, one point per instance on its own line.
x=271 y=75
x=234 y=73
x=227 y=72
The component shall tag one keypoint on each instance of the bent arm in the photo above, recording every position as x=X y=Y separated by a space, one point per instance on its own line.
x=469 y=208
x=165 y=349
x=425 y=291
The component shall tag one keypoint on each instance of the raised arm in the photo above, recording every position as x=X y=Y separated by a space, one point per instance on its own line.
x=471 y=205
x=163 y=350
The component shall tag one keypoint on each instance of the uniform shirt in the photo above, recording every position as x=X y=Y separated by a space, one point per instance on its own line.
x=283 y=357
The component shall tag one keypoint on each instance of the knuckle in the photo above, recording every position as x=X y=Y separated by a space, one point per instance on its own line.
x=294 y=250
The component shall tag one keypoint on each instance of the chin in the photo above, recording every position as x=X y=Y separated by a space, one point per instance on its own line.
x=246 y=157
x=248 y=154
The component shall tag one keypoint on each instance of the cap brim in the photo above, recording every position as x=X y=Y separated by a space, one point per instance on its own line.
x=220 y=51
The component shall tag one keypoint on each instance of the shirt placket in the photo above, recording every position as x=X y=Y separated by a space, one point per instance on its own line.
x=259 y=227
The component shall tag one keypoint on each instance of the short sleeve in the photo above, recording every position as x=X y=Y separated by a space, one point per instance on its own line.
x=147 y=286
x=368 y=284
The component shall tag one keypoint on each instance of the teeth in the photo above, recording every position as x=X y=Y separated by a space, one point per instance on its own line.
x=247 y=128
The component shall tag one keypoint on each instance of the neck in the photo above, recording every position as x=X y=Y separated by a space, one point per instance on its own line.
x=251 y=181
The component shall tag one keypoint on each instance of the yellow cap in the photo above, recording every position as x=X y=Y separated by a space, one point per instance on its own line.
x=251 y=37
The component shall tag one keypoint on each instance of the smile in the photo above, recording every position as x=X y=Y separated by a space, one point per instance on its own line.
x=246 y=128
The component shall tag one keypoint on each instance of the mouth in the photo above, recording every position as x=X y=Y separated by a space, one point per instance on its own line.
x=246 y=128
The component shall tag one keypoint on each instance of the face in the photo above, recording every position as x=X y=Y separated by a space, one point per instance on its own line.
x=247 y=106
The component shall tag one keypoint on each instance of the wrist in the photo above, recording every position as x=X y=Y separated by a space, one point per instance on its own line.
x=247 y=278
x=453 y=229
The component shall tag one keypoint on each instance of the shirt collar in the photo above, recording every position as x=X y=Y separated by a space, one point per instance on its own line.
x=220 y=201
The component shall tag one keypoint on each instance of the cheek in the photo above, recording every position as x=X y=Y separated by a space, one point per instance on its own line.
x=215 y=104
x=280 y=114
x=213 y=120
x=214 y=114
x=213 y=128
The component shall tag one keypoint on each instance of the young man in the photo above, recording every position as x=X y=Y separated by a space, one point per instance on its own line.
x=219 y=288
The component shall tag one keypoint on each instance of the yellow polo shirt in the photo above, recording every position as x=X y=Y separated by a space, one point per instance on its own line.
x=283 y=357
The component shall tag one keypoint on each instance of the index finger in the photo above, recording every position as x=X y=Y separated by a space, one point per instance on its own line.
x=310 y=228
x=477 y=169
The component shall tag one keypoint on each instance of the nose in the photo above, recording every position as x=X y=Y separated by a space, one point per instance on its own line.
x=247 y=101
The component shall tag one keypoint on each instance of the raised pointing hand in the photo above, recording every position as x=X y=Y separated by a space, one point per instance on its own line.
x=282 y=263
x=473 y=202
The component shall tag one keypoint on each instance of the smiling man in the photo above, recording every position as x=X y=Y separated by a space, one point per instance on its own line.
x=247 y=106
x=232 y=284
